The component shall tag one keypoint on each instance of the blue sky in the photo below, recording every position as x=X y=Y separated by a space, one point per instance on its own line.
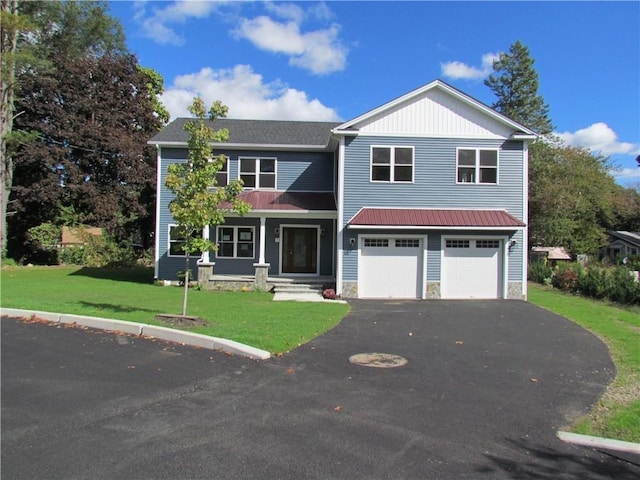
x=337 y=60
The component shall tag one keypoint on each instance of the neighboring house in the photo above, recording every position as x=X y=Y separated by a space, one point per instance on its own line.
x=424 y=197
x=78 y=235
x=551 y=254
x=622 y=244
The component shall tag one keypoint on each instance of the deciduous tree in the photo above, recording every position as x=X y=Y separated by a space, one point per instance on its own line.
x=198 y=200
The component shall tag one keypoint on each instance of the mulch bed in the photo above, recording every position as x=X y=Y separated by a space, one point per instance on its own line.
x=181 y=320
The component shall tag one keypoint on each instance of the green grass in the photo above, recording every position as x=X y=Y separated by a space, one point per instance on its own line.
x=252 y=318
x=617 y=414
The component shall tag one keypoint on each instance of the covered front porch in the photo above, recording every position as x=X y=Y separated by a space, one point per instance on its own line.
x=212 y=281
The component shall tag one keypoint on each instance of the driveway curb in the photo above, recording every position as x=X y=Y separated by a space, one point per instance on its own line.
x=598 y=442
x=143 y=329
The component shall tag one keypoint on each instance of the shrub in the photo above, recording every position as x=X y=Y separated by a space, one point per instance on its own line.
x=329 y=293
x=540 y=272
x=595 y=282
x=566 y=277
x=624 y=288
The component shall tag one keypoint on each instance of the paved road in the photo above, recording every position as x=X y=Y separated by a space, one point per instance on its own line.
x=485 y=389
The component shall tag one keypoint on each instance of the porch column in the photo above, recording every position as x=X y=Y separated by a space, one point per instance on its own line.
x=263 y=241
x=205 y=267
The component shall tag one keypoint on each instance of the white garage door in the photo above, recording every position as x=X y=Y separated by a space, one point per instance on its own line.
x=390 y=268
x=472 y=268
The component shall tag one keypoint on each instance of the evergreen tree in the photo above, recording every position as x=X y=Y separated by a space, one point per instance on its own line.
x=515 y=84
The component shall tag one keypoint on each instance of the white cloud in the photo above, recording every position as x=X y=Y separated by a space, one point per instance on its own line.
x=599 y=137
x=627 y=175
x=246 y=94
x=320 y=51
x=156 y=23
x=458 y=70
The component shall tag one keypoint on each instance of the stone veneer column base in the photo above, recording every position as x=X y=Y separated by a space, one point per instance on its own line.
x=349 y=290
x=261 y=276
x=205 y=271
x=514 y=291
x=433 y=291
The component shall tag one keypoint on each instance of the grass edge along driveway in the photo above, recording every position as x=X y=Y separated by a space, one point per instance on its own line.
x=617 y=414
x=252 y=318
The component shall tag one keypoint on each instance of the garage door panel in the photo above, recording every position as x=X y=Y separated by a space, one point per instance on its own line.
x=394 y=271
x=471 y=269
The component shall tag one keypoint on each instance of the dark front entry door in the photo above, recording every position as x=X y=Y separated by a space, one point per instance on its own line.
x=299 y=250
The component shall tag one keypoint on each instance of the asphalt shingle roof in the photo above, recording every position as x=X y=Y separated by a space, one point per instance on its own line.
x=260 y=132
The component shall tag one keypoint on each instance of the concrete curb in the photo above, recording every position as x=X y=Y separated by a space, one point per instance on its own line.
x=143 y=329
x=597 y=442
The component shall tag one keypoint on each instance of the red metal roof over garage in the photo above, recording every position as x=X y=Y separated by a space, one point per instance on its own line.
x=434 y=218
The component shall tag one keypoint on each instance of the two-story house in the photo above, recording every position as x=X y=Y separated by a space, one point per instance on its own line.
x=424 y=197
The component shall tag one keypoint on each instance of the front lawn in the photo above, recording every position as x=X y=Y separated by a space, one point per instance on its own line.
x=252 y=318
x=617 y=414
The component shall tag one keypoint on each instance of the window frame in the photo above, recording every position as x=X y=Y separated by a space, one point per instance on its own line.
x=236 y=241
x=257 y=173
x=392 y=163
x=176 y=242
x=478 y=167
x=225 y=171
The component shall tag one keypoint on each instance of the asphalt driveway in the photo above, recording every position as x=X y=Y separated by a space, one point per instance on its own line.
x=485 y=389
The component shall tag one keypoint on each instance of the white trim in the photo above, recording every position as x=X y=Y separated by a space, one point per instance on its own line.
x=392 y=164
x=282 y=226
x=315 y=214
x=423 y=267
x=249 y=146
x=156 y=263
x=340 y=220
x=502 y=249
x=236 y=240
x=525 y=218
x=478 y=166
x=204 y=256
x=169 y=255
x=354 y=133
x=256 y=173
x=263 y=240
x=433 y=227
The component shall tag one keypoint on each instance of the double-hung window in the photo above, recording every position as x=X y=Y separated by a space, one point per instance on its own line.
x=177 y=240
x=236 y=242
x=258 y=173
x=476 y=165
x=392 y=164
x=222 y=177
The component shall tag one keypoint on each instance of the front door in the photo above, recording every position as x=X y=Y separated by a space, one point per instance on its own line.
x=300 y=250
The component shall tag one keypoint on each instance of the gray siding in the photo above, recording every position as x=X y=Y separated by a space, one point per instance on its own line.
x=434 y=186
x=434 y=177
x=307 y=171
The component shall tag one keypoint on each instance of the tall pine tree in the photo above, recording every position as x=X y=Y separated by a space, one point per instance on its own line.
x=515 y=84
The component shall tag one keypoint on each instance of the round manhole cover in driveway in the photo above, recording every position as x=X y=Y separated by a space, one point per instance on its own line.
x=378 y=360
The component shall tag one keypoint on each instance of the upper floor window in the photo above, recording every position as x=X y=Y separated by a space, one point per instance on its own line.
x=258 y=172
x=392 y=164
x=222 y=177
x=477 y=165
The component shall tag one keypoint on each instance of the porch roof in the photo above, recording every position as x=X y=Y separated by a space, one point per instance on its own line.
x=424 y=217
x=292 y=201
